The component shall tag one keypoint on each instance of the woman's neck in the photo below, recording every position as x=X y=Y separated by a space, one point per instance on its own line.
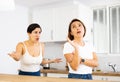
x=32 y=43
x=79 y=41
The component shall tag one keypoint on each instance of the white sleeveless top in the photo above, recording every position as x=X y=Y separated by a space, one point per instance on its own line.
x=30 y=63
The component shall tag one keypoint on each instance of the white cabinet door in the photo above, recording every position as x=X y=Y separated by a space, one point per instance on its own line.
x=113 y=78
x=86 y=16
x=44 y=17
x=63 y=16
x=57 y=75
x=95 y=77
x=108 y=78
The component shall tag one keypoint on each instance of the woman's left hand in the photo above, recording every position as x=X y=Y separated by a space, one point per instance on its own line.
x=56 y=60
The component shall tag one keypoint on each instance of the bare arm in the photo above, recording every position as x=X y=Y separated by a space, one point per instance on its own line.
x=73 y=58
x=56 y=60
x=92 y=62
x=16 y=55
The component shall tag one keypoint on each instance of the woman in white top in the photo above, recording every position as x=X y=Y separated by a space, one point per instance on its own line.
x=30 y=52
x=80 y=55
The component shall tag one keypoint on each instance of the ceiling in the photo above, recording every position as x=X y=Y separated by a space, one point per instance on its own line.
x=32 y=3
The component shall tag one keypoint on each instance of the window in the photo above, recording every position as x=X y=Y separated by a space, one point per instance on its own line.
x=106 y=30
x=115 y=29
x=100 y=30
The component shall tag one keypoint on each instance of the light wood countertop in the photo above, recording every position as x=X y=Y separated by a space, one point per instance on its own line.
x=22 y=78
x=66 y=72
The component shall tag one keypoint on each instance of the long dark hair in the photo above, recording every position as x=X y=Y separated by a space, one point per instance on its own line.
x=71 y=37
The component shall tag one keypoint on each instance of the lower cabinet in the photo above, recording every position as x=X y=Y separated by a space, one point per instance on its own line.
x=95 y=77
x=108 y=78
x=56 y=75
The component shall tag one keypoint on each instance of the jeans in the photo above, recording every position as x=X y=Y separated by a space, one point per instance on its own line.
x=80 y=76
x=30 y=73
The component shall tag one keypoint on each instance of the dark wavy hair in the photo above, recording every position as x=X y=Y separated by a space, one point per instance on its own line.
x=32 y=27
x=71 y=37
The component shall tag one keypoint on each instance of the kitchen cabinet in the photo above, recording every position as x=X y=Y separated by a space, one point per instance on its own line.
x=108 y=78
x=63 y=16
x=57 y=75
x=95 y=77
x=45 y=19
x=55 y=20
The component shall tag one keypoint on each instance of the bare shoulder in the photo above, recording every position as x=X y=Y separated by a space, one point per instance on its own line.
x=20 y=44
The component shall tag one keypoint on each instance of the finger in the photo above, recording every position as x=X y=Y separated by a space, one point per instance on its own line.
x=8 y=53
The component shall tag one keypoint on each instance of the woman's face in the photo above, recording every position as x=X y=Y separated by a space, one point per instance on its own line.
x=77 y=29
x=35 y=35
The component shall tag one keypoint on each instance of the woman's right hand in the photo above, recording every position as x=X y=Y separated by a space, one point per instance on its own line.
x=75 y=45
x=18 y=52
x=14 y=55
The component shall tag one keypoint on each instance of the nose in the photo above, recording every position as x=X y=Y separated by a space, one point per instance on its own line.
x=77 y=28
x=38 y=34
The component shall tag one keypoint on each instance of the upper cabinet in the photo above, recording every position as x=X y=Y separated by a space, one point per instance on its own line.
x=55 y=20
x=45 y=18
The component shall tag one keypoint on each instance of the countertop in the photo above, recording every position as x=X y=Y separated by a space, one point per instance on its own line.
x=23 y=78
x=66 y=72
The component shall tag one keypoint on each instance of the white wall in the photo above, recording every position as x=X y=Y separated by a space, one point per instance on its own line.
x=13 y=25
x=55 y=50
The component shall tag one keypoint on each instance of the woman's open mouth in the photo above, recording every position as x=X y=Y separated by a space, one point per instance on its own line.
x=78 y=32
x=37 y=39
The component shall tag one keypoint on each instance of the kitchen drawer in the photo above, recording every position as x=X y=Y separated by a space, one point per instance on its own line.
x=56 y=75
x=108 y=78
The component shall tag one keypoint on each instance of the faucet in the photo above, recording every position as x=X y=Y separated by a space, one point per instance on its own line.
x=113 y=67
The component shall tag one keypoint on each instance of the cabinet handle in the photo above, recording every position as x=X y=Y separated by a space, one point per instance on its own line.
x=106 y=78
x=102 y=78
x=51 y=34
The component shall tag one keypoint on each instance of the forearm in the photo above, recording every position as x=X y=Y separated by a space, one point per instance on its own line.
x=91 y=62
x=47 y=61
x=75 y=60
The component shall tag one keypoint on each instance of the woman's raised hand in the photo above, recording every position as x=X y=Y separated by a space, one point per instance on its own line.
x=72 y=43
